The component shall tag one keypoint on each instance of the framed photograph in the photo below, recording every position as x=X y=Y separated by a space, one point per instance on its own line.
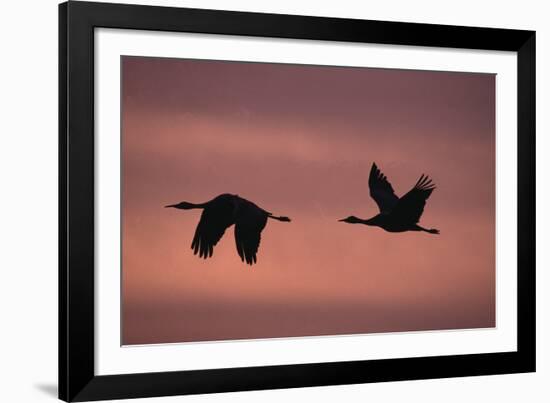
x=257 y=201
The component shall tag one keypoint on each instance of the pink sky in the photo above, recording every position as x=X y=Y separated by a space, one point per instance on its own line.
x=299 y=141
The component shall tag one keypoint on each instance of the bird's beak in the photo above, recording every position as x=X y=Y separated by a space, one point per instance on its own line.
x=343 y=219
x=171 y=205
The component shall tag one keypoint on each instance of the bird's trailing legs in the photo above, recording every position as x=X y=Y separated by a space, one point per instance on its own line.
x=430 y=231
x=278 y=218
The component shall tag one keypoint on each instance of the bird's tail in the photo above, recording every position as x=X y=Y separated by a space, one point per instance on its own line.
x=279 y=218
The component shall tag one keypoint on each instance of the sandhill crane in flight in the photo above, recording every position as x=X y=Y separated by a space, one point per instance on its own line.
x=219 y=214
x=396 y=214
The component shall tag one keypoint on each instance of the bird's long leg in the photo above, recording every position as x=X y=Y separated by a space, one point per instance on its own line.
x=430 y=231
x=279 y=218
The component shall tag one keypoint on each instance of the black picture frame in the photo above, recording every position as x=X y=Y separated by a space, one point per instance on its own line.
x=77 y=379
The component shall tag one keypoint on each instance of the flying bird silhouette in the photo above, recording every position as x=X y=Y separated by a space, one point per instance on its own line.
x=396 y=214
x=219 y=214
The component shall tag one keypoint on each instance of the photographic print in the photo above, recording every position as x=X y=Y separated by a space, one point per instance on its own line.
x=265 y=200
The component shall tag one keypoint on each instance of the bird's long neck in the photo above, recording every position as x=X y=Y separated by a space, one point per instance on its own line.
x=373 y=221
x=191 y=206
x=363 y=222
x=188 y=206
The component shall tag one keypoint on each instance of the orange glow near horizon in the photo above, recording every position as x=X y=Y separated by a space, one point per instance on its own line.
x=299 y=141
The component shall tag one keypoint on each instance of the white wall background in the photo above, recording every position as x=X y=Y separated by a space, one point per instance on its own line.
x=28 y=199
